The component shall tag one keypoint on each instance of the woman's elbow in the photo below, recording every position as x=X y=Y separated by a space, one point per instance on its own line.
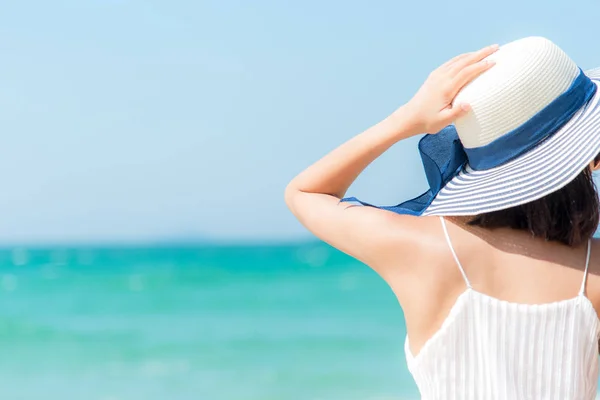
x=290 y=195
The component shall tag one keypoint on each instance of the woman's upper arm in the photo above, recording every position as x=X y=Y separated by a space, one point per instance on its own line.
x=374 y=236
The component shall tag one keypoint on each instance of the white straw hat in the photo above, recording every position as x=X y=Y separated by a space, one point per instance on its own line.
x=534 y=125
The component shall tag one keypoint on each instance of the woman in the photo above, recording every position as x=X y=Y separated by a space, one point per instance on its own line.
x=494 y=267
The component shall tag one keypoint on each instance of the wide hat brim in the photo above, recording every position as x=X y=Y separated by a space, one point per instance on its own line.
x=544 y=169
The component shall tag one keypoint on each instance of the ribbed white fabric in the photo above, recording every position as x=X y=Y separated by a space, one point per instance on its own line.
x=490 y=349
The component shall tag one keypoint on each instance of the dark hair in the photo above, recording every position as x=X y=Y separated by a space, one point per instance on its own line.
x=569 y=215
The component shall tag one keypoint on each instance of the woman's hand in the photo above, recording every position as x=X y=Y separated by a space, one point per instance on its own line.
x=430 y=109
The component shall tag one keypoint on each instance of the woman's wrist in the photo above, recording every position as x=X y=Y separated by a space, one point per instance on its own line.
x=403 y=123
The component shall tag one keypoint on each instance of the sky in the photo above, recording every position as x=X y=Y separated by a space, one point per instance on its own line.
x=173 y=120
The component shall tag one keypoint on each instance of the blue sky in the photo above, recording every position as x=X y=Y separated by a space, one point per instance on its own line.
x=140 y=120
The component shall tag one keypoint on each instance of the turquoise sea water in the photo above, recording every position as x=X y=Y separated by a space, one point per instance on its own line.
x=198 y=322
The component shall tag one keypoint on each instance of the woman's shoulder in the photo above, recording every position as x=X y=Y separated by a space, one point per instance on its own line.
x=418 y=252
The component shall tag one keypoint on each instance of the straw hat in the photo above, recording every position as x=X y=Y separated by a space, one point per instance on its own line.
x=534 y=125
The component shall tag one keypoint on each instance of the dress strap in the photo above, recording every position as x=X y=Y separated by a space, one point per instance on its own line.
x=462 y=271
x=587 y=263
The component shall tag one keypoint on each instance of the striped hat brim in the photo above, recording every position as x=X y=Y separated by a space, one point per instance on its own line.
x=545 y=169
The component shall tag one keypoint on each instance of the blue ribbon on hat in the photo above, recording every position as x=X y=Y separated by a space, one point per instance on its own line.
x=444 y=156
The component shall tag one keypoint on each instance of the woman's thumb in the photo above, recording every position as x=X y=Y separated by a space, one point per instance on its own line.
x=458 y=111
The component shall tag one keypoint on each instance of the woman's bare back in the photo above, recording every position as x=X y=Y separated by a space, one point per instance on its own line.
x=504 y=264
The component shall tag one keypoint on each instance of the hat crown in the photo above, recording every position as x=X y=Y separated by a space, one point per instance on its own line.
x=529 y=74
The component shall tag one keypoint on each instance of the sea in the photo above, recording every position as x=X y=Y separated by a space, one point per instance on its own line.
x=296 y=321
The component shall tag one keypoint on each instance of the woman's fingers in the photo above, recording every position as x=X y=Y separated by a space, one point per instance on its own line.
x=434 y=98
x=471 y=58
x=469 y=73
x=450 y=62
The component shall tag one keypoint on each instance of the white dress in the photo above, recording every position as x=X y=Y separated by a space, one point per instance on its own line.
x=489 y=348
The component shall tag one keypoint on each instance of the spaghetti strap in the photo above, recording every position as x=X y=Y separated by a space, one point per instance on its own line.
x=462 y=271
x=585 y=272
